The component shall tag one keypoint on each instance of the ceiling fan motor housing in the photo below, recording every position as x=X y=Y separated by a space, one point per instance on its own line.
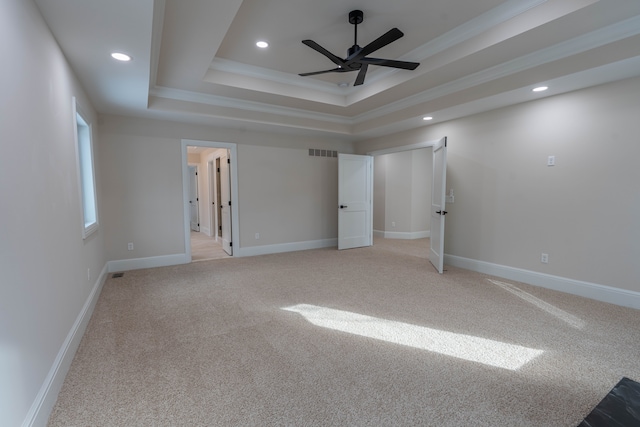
x=356 y=17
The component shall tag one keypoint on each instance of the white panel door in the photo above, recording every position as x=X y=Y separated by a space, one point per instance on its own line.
x=355 y=201
x=193 y=198
x=438 y=212
x=225 y=203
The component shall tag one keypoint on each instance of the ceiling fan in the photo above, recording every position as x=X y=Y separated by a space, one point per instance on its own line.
x=357 y=59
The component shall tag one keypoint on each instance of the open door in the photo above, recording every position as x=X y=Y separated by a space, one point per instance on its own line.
x=225 y=203
x=193 y=198
x=355 y=201
x=438 y=212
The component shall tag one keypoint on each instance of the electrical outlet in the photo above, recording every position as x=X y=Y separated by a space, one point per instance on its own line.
x=130 y=246
x=544 y=258
x=257 y=236
x=551 y=161
x=393 y=223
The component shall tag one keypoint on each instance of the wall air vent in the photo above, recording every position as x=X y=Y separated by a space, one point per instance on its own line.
x=322 y=153
x=117 y=275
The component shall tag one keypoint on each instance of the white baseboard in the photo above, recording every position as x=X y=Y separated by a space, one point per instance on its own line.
x=594 y=291
x=40 y=410
x=150 y=262
x=206 y=231
x=402 y=234
x=285 y=247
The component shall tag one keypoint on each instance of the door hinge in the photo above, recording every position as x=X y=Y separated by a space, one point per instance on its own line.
x=229 y=202
x=218 y=170
x=229 y=160
x=196 y=173
x=230 y=244
x=220 y=227
x=197 y=199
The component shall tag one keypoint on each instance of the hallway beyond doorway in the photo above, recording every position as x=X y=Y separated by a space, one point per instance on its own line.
x=204 y=248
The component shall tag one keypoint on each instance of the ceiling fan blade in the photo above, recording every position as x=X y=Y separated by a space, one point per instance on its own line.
x=315 y=46
x=361 y=74
x=333 y=70
x=388 y=37
x=390 y=63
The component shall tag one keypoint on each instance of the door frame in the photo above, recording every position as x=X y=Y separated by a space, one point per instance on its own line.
x=195 y=178
x=211 y=167
x=235 y=223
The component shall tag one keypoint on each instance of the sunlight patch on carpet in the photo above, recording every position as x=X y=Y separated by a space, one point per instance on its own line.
x=568 y=318
x=466 y=347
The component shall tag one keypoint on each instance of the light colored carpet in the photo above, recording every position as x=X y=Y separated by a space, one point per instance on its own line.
x=364 y=337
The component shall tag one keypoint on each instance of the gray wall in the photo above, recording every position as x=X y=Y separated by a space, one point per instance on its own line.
x=43 y=258
x=510 y=206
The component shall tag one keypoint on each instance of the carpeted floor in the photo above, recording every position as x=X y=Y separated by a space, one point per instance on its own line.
x=364 y=337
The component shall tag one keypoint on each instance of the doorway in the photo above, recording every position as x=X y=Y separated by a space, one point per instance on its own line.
x=404 y=194
x=217 y=184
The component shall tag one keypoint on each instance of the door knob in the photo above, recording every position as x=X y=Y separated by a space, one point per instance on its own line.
x=343 y=206
x=441 y=212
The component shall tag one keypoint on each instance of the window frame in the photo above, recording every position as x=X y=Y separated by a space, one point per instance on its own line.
x=83 y=141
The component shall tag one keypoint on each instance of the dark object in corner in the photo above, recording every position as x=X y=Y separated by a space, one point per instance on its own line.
x=619 y=408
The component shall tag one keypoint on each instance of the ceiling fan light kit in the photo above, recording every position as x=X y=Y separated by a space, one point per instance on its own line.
x=357 y=59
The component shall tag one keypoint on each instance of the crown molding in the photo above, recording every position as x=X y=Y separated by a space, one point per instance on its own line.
x=225 y=102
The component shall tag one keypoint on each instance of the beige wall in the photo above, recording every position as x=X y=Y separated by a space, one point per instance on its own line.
x=142 y=195
x=284 y=194
x=421 y=179
x=43 y=259
x=379 y=192
x=510 y=206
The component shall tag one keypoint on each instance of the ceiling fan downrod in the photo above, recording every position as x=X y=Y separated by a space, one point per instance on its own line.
x=355 y=17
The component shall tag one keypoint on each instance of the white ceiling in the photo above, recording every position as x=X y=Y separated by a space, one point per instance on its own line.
x=196 y=60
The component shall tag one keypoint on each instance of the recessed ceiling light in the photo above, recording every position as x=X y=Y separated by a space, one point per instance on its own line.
x=121 y=56
x=540 y=89
x=343 y=84
x=427 y=118
x=262 y=44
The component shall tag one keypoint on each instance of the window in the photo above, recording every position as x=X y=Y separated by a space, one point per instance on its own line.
x=84 y=150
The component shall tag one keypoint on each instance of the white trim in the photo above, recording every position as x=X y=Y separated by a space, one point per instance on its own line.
x=286 y=247
x=46 y=398
x=255 y=106
x=246 y=70
x=416 y=146
x=404 y=235
x=205 y=230
x=150 y=262
x=593 y=291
